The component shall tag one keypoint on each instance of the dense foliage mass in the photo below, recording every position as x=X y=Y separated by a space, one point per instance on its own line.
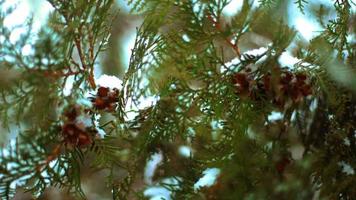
x=273 y=131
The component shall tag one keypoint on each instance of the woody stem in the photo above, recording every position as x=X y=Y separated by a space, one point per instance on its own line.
x=227 y=40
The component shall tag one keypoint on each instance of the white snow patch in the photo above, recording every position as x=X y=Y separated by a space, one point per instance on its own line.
x=209 y=178
x=287 y=60
x=186 y=38
x=274 y=116
x=109 y=81
x=256 y=52
x=101 y=132
x=346 y=168
x=143 y=103
x=157 y=193
x=83 y=122
x=67 y=89
x=185 y=151
x=233 y=7
x=162 y=190
x=347 y=142
x=151 y=166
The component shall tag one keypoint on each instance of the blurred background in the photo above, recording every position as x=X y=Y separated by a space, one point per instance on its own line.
x=115 y=61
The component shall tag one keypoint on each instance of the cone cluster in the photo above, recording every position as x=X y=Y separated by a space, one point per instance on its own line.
x=75 y=133
x=105 y=99
x=279 y=87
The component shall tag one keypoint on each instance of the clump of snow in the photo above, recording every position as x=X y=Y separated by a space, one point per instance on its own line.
x=83 y=122
x=256 y=52
x=132 y=109
x=347 y=142
x=287 y=60
x=185 y=151
x=157 y=193
x=346 y=168
x=163 y=190
x=151 y=166
x=274 y=116
x=209 y=178
x=100 y=131
x=233 y=7
x=109 y=81
x=186 y=38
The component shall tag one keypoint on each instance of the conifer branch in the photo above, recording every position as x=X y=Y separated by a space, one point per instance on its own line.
x=263 y=125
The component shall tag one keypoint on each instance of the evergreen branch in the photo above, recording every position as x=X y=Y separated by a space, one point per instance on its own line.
x=86 y=29
x=267 y=3
x=145 y=46
x=300 y=4
x=337 y=30
x=30 y=164
x=223 y=111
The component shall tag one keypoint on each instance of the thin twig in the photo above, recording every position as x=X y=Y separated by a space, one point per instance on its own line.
x=228 y=41
x=82 y=60
x=91 y=57
x=54 y=154
x=56 y=74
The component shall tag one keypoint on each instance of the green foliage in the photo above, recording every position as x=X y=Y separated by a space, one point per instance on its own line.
x=300 y=4
x=25 y=164
x=267 y=3
x=221 y=110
